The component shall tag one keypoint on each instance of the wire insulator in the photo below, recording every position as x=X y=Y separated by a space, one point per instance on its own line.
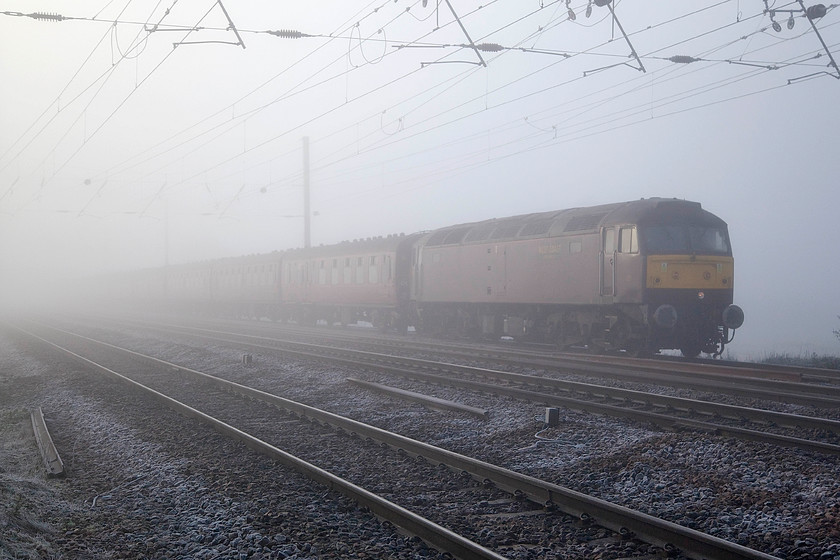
x=47 y=17
x=489 y=47
x=683 y=59
x=288 y=34
x=816 y=11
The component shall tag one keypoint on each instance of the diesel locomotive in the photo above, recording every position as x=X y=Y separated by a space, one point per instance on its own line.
x=639 y=276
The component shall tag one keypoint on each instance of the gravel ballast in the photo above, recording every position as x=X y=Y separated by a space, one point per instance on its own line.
x=152 y=500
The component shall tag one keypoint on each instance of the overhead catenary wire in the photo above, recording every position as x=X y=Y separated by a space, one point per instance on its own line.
x=466 y=102
x=644 y=107
x=393 y=81
x=238 y=155
x=111 y=115
x=56 y=100
x=406 y=124
x=127 y=165
x=108 y=73
x=159 y=24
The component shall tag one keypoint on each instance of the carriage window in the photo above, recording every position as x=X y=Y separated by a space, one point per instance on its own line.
x=627 y=240
x=334 y=273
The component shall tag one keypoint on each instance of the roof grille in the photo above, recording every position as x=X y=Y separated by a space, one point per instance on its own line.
x=537 y=227
x=580 y=223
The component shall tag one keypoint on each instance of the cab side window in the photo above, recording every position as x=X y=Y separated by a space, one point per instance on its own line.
x=609 y=241
x=628 y=241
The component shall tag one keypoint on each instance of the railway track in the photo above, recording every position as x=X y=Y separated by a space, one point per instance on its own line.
x=516 y=350
x=801 y=386
x=780 y=386
x=154 y=372
x=811 y=433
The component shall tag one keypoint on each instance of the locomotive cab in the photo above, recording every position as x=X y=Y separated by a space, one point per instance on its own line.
x=689 y=273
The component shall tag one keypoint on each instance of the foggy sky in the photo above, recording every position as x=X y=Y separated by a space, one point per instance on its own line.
x=119 y=150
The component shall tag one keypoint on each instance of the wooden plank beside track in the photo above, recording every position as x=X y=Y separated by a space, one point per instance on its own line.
x=52 y=461
x=431 y=402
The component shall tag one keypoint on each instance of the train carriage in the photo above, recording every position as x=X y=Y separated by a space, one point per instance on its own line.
x=364 y=280
x=248 y=285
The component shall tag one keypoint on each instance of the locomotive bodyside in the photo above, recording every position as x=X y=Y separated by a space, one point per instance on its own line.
x=585 y=276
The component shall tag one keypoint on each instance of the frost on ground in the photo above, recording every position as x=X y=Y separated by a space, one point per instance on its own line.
x=26 y=499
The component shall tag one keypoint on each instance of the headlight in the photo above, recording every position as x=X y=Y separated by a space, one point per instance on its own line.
x=733 y=316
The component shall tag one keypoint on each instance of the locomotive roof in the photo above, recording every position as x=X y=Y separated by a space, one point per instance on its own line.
x=357 y=246
x=571 y=221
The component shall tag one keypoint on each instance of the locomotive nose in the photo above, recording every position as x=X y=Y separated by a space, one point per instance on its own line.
x=733 y=316
x=665 y=316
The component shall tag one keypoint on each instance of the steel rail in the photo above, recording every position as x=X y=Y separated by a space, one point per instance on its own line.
x=389 y=364
x=668 y=422
x=786 y=387
x=625 y=395
x=629 y=395
x=620 y=519
x=439 y=537
x=729 y=378
x=750 y=376
x=819 y=396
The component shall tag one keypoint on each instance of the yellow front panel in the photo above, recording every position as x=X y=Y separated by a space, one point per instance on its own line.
x=683 y=272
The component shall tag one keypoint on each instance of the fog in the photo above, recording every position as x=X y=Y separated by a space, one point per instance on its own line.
x=132 y=135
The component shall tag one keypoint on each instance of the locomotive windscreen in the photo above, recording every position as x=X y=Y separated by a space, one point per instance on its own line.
x=680 y=239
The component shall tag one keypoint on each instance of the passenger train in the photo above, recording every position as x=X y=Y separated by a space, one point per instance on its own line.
x=640 y=277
